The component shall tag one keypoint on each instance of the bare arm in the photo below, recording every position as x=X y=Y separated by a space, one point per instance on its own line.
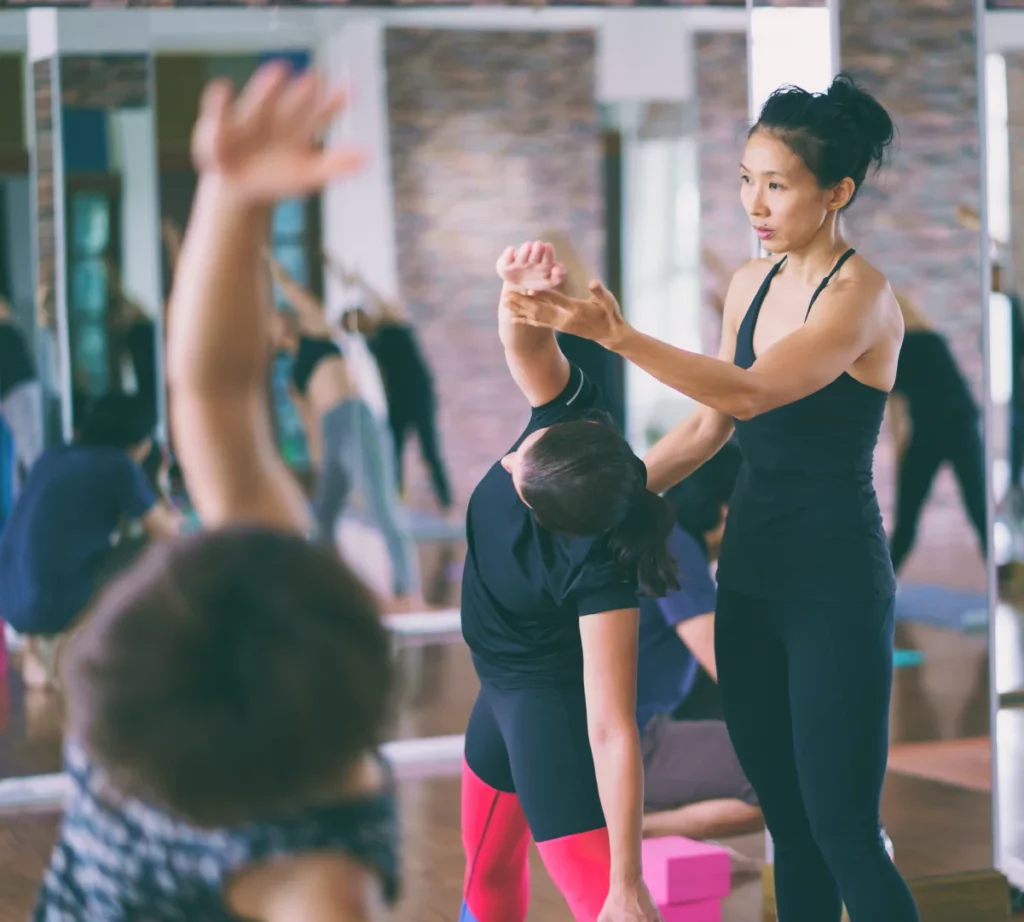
x=847 y=323
x=609 y=676
x=249 y=153
x=382 y=307
x=533 y=356
x=162 y=521
x=306 y=304
x=698 y=635
x=218 y=342
x=899 y=424
x=844 y=327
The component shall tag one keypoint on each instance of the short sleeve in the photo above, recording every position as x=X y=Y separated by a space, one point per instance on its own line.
x=136 y=494
x=579 y=397
x=602 y=587
x=697 y=594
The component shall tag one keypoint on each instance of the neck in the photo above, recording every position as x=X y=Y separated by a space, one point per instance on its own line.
x=811 y=263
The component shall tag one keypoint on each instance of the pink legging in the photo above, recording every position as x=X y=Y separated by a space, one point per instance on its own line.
x=496 y=838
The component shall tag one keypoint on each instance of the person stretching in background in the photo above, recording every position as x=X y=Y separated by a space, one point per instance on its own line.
x=934 y=401
x=343 y=435
x=408 y=381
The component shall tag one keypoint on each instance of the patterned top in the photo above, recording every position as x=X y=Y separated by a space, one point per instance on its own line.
x=117 y=859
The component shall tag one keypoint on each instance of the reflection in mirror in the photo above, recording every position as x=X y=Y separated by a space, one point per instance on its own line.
x=1003 y=114
x=110 y=238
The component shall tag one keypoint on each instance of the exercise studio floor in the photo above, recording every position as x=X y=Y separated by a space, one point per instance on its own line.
x=939 y=819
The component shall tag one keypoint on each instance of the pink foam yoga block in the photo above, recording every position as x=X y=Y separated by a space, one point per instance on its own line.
x=703 y=911
x=679 y=870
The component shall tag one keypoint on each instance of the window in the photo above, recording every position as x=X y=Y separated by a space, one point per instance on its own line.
x=661 y=271
x=92 y=240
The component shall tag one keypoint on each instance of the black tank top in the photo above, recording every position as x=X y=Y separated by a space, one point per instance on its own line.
x=804 y=521
x=310 y=353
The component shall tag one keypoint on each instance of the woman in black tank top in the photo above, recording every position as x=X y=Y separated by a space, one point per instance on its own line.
x=804 y=623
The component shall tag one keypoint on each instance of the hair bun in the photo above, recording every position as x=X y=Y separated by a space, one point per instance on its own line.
x=873 y=123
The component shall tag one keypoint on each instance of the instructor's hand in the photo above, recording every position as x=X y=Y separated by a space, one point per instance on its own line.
x=629 y=904
x=598 y=317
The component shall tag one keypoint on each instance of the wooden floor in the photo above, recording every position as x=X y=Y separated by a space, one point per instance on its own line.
x=936 y=828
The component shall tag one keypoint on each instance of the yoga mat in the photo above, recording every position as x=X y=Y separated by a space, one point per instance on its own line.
x=963 y=763
x=937 y=606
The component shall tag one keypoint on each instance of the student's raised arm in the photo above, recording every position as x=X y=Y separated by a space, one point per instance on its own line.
x=307 y=306
x=532 y=353
x=249 y=152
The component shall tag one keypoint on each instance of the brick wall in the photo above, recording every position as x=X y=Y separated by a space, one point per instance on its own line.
x=723 y=123
x=918 y=58
x=105 y=81
x=42 y=92
x=494 y=139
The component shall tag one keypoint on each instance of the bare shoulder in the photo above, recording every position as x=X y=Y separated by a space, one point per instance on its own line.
x=866 y=301
x=744 y=285
x=863 y=287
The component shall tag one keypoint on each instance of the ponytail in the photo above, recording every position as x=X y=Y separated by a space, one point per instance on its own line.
x=640 y=543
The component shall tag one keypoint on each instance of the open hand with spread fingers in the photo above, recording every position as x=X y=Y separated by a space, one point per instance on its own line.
x=531 y=267
x=598 y=317
x=265 y=145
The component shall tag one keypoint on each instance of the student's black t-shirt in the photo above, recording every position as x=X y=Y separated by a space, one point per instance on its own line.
x=524 y=588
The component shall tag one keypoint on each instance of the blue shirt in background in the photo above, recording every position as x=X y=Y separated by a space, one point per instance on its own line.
x=60 y=530
x=667 y=669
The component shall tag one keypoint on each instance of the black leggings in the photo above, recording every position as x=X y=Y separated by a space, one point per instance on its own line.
x=534 y=743
x=960 y=444
x=805 y=690
x=422 y=418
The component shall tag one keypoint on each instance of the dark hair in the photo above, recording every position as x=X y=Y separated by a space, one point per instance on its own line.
x=697 y=501
x=581 y=478
x=838 y=134
x=116 y=421
x=230 y=676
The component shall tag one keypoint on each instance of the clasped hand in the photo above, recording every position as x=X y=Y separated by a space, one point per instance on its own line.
x=531 y=276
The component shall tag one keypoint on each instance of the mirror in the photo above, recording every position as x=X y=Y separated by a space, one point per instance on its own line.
x=1003 y=56
x=909 y=222
x=111 y=247
x=620 y=165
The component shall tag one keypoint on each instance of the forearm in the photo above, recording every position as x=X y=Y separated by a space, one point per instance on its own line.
x=620 y=785
x=710 y=381
x=685 y=448
x=305 y=303
x=218 y=336
x=519 y=338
